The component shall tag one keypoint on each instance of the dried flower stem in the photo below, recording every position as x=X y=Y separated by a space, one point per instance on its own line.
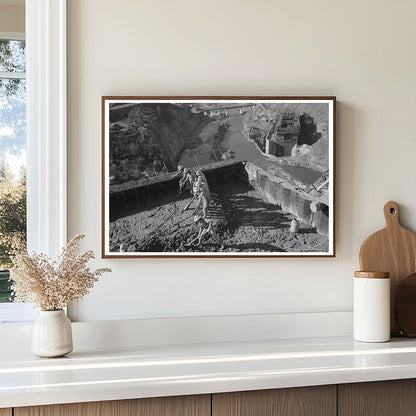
x=53 y=285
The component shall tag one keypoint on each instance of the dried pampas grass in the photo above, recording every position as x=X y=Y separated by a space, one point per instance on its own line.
x=53 y=285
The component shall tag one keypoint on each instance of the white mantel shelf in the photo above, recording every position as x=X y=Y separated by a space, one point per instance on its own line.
x=151 y=371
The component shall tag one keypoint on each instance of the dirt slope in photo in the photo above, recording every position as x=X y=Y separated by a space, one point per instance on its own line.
x=243 y=221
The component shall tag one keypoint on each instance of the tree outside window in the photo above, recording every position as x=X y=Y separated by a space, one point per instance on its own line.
x=12 y=156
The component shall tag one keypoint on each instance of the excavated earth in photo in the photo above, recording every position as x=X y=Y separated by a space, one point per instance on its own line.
x=158 y=219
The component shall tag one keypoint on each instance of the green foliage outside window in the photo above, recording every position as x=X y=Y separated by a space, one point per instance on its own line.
x=12 y=155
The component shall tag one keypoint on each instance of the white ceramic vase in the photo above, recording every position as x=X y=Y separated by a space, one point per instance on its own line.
x=52 y=334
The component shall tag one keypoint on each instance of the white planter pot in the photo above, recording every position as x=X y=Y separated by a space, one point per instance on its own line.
x=52 y=334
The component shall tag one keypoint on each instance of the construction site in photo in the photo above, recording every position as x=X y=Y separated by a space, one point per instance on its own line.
x=218 y=178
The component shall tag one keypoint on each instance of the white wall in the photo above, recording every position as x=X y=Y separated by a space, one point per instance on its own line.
x=361 y=51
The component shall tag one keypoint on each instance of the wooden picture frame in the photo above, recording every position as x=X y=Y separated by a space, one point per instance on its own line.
x=235 y=176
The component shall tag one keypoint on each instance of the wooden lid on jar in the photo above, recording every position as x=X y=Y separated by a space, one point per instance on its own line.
x=372 y=275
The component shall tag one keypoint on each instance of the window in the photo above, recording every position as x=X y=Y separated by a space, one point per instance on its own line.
x=12 y=155
x=12 y=166
x=45 y=135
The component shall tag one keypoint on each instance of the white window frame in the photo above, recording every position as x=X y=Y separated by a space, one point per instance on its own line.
x=46 y=135
x=14 y=312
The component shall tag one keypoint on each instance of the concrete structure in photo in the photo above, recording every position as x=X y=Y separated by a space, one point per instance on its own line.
x=282 y=138
x=311 y=208
x=224 y=110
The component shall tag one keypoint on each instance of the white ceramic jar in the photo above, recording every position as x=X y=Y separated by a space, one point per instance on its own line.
x=371 y=309
x=52 y=334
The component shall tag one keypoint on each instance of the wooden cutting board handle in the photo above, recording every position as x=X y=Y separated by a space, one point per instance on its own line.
x=391 y=214
x=393 y=250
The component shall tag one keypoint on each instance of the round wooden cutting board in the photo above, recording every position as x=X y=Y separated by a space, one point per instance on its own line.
x=392 y=250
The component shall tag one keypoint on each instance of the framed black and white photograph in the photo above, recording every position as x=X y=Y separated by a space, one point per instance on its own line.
x=218 y=176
